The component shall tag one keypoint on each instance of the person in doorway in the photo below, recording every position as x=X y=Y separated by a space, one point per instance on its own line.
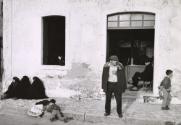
x=112 y=77
x=146 y=75
x=165 y=87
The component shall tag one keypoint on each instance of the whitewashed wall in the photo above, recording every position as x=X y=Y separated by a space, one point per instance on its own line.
x=85 y=35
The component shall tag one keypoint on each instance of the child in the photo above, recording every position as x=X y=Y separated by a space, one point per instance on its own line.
x=38 y=109
x=56 y=113
x=165 y=88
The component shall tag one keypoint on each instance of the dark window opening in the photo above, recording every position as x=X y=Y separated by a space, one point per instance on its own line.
x=54 y=40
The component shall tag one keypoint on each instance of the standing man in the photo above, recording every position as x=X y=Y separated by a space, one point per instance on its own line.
x=112 y=82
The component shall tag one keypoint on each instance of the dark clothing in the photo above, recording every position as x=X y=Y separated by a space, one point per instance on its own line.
x=12 y=89
x=146 y=75
x=11 y=92
x=166 y=83
x=37 y=89
x=43 y=102
x=24 y=87
x=117 y=88
x=25 y=90
x=120 y=75
x=113 y=88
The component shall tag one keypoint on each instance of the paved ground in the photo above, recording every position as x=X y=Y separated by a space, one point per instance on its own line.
x=90 y=112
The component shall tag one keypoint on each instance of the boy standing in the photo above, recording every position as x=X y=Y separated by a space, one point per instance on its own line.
x=165 y=87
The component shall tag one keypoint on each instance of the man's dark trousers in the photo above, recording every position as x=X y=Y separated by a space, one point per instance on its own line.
x=113 y=88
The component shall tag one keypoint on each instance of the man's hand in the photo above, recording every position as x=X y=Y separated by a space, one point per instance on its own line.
x=120 y=65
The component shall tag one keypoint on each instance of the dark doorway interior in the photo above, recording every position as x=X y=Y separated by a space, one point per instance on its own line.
x=54 y=40
x=132 y=46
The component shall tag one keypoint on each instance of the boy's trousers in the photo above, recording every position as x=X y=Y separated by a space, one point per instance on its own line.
x=166 y=98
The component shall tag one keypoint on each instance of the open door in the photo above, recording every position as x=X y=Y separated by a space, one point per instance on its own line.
x=130 y=36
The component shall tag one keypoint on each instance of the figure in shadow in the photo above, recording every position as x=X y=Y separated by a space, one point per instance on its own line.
x=37 y=90
x=12 y=91
x=24 y=87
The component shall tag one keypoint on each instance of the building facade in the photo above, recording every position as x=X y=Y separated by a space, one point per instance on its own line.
x=84 y=25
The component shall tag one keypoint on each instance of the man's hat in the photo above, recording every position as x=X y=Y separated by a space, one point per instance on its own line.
x=114 y=58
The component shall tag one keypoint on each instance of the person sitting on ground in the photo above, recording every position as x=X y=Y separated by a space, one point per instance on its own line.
x=38 y=109
x=146 y=75
x=56 y=113
x=37 y=89
x=12 y=91
x=24 y=87
x=165 y=87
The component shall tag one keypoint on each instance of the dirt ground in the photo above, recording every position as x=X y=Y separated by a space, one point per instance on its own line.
x=25 y=120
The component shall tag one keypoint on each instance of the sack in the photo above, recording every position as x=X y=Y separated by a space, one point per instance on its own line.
x=36 y=110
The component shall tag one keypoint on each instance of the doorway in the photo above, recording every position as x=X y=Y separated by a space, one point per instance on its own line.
x=130 y=36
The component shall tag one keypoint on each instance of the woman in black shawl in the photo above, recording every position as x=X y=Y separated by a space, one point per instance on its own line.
x=24 y=88
x=12 y=91
x=37 y=89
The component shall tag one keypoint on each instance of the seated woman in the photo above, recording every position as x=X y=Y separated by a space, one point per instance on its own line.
x=12 y=91
x=24 y=87
x=37 y=90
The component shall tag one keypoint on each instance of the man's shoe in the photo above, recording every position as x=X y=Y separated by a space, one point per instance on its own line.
x=120 y=115
x=106 y=114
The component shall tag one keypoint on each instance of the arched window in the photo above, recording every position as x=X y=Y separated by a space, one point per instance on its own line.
x=133 y=20
x=54 y=40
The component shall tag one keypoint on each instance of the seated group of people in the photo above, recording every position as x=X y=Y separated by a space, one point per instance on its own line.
x=23 y=89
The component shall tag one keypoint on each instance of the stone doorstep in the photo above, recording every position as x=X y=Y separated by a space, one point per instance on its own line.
x=126 y=120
